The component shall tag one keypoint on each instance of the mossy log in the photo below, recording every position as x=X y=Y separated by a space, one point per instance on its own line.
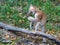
x=22 y=32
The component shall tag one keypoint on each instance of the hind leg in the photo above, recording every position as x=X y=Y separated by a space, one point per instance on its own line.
x=43 y=30
x=37 y=26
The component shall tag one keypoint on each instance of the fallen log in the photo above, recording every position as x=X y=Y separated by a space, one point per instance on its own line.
x=25 y=31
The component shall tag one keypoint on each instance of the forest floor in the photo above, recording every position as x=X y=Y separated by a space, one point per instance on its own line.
x=8 y=38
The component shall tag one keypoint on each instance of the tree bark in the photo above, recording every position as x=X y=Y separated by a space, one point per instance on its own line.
x=28 y=32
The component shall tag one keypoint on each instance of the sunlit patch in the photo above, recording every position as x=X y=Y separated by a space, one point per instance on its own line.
x=7 y=36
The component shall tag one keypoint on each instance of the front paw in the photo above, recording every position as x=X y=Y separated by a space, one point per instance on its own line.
x=30 y=18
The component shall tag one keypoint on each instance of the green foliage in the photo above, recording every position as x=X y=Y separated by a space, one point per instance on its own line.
x=10 y=14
